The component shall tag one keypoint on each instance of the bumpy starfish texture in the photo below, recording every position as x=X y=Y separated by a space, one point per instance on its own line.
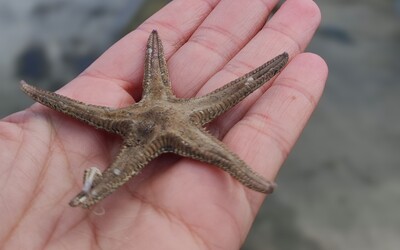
x=160 y=123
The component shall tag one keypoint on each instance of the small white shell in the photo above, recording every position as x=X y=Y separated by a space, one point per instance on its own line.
x=117 y=171
x=249 y=80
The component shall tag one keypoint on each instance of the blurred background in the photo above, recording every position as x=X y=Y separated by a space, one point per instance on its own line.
x=340 y=187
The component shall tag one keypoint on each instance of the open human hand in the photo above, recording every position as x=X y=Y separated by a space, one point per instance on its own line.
x=178 y=202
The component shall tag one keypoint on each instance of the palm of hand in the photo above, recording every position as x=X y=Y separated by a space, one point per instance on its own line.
x=179 y=202
x=182 y=203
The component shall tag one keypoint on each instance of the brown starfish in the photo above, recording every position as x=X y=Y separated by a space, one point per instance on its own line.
x=160 y=123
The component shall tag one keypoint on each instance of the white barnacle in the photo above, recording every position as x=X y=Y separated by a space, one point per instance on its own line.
x=93 y=192
x=149 y=50
x=91 y=173
x=249 y=80
x=62 y=105
x=87 y=185
x=117 y=171
x=82 y=199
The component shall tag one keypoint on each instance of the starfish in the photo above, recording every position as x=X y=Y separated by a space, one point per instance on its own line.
x=162 y=123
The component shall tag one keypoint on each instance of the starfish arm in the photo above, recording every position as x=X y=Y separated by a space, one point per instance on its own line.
x=208 y=107
x=128 y=163
x=97 y=116
x=200 y=145
x=156 y=83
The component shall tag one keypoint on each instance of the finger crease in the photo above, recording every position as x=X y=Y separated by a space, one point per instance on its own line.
x=270 y=131
x=208 y=45
x=298 y=89
x=299 y=48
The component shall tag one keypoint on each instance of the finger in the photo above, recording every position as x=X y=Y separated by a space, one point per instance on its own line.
x=270 y=128
x=222 y=34
x=228 y=24
x=287 y=106
x=175 y=22
x=290 y=29
x=123 y=62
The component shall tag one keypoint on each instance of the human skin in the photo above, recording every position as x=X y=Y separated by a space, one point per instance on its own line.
x=178 y=203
